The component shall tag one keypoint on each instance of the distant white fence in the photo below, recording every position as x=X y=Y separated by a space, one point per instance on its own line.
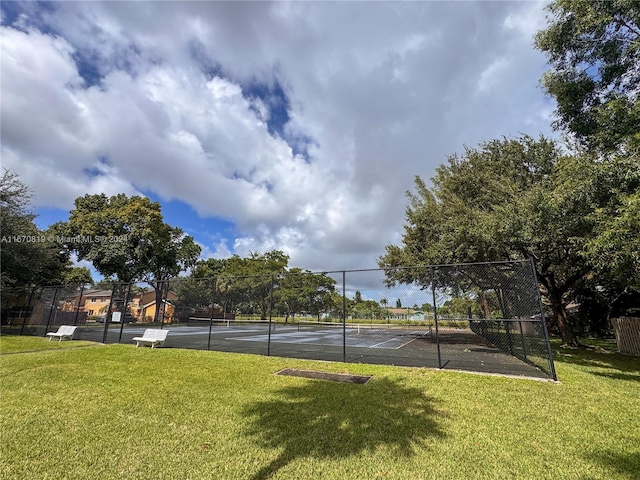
x=627 y=330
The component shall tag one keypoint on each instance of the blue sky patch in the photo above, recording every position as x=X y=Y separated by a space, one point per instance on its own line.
x=96 y=171
x=28 y=15
x=274 y=97
x=276 y=100
x=87 y=62
x=10 y=12
x=47 y=216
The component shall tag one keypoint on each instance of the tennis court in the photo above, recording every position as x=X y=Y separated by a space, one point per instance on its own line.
x=402 y=345
x=476 y=317
x=301 y=333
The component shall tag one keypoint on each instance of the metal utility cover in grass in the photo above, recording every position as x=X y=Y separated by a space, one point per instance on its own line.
x=333 y=377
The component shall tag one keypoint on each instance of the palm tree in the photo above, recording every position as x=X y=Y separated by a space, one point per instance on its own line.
x=383 y=303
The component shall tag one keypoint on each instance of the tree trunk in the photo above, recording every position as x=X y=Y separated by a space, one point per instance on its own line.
x=553 y=293
x=484 y=305
x=560 y=319
x=158 y=290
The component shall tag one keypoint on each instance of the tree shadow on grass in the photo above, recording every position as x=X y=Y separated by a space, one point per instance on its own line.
x=597 y=358
x=326 y=420
x=619 y=376
x=625 y=464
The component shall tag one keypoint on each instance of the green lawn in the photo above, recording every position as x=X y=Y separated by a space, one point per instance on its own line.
x=17 y=344
x=120 y=412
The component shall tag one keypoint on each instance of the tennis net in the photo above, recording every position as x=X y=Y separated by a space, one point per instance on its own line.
x=220 y=322
x=366 y=328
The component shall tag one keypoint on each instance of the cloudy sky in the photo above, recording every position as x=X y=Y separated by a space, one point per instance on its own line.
x=293 y=126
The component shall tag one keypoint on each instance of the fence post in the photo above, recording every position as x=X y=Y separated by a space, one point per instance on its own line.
x=213 y=303
x=53 y=306
x=435 y=314
x=164 y=294
x=552 y=367
x=270 y=317
x=507 y=331
x=107 y=318
x=75 y=319
x=344 y=316
x=124 y=311
x=524 y=344
x=24 y=319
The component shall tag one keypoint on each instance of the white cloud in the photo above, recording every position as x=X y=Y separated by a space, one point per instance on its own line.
x=529 y=19
x=384 y=91
x=220 y=250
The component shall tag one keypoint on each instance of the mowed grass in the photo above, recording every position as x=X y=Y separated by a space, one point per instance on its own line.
x=18 y=344
x=120 y=412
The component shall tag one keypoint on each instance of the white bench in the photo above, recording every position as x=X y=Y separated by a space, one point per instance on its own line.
x=152 y=336
x=64 y=331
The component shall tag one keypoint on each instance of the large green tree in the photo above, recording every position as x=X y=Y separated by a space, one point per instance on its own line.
x=256 y=276
x=289 y=296
x=244 y=283
x=367 y=309
x=594 y=51
x=507 y=199
x=319 y=291
x=615 y=246
x=254 y=283
x=19 y=258
x=299 y=291
x=30 y=256
x=127 y=238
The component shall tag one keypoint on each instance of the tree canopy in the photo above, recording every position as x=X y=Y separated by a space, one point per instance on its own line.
x=614 y=247
x=507 y=199
x=594 y=51
x=127 y=238
x=30 y=256
x=255 y=284
x=301 y=291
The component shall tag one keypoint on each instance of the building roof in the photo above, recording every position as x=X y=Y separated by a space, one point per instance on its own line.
x=97 y=293
x=405 y=311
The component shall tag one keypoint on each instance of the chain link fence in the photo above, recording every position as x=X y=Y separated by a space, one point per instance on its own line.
x=473 y=317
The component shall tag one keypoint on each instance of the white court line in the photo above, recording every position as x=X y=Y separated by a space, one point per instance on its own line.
x=386 y=341
x=396 y=348
x=398 y=338
x=405 y=344
x=316 y=338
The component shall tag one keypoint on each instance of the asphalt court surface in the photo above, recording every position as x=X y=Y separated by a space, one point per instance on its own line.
x=334 y=337
x=365 y=338
x=459 y=349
